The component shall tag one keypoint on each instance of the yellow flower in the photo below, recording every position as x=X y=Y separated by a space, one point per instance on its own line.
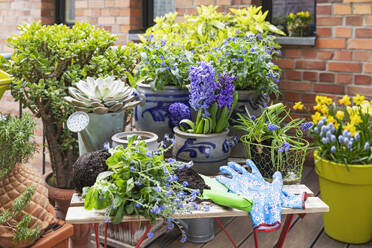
x=366 y=108
x=324 y=109
x=330 y=119
x=291 y=15
x=355 y=119
x=336 y=125
x=307 y=14
x=316 y=117
x=300 y=13
x=340 y=115
x=345 y=100
x=298 y=106
x=358 y=99
x=328 y=100
x=351 y=128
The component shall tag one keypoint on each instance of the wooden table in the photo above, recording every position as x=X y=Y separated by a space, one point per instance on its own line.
x=76 y=214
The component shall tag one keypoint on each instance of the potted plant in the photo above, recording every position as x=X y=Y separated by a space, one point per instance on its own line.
x=140 y=182
x=269 y=144
x=163 y=79
x=24 y=206
x=205 y=141
x=105 y=100
x=343 y=161
x=297 y=24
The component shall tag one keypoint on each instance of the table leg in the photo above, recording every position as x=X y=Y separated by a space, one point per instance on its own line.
x=143 y=236
x=228 y=236
x=105 y=234
x=255 y=238
x=96 y=233
x=284 y=232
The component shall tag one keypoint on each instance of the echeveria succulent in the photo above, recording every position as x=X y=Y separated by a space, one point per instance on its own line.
x=101 y=96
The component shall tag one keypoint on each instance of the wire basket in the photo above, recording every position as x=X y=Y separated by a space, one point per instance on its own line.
x=268 y=159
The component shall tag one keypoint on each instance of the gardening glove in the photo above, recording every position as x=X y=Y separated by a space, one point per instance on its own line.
x=267 y=197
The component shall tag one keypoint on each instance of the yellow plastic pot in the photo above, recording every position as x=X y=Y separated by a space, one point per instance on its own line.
x=5 y=80
x=348 y=193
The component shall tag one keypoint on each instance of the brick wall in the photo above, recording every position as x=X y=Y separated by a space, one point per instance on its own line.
x=340 y=63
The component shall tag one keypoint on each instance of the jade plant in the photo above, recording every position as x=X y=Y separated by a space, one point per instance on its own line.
x=46 y=61
x=140 y=182
x=101 y=96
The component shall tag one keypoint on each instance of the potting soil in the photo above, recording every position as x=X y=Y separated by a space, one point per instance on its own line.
x=194 y=180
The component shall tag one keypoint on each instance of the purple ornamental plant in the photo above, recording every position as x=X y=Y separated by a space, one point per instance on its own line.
x=214 y=99
x=178 y=111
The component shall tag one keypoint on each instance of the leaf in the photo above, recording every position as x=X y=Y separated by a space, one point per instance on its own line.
x=104 y=175
x=129 y=209
x=119 y=215
x=222 y=120
x=130 y=184
x=90 y=199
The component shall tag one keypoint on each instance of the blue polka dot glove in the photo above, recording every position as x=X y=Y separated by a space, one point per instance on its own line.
x=268 y=198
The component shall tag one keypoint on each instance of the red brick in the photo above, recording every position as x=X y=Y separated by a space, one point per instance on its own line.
x=328 y=21
x=343 y=55
x=323 y=9
x=330 y=43
x=344 y=78
x=284 y=63
x=343 y=32
x=299 y=86
x=326 y=55
x=326 y=77
x=363 y=33
x=290 y=96
x=329 y=88
x=362 y=79
x=204 y=2
x=309 y=53
x=292 y=53
x=293 y=75
x=309 y=75
x=183 y=3
x=342 y=9
x=354 y=20
x=365 y=91
x=361 y=56
x=323 y=32
x=367 y=68
x=360 y=44
x=310 y=64
x=344 y=66
x=309 y=98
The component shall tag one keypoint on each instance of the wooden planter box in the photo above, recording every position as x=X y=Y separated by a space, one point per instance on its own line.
x=56 y=239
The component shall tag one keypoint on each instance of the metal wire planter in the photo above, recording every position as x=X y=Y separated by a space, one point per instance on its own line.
x=269 y=159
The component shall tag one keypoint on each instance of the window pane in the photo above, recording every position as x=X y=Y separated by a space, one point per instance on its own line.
x=70 y=11
x=162 y=7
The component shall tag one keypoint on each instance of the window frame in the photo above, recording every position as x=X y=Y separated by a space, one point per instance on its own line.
x=60 y=13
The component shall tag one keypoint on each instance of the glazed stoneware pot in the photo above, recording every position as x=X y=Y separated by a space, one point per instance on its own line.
x=254 y=105
x=152 y=114
x=207 y=151
x=347 y=190
x=151 y=139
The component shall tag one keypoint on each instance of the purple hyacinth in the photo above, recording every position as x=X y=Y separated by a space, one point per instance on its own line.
x=225 y=96
x=178 y=111
x=202 y=87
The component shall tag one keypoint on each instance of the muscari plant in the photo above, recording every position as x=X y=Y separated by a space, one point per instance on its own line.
x=143 y=183
x=101 y=96
x=343 y=132
x=164 y=63
x=249 y=59
x=46 y=61
x=212 y=96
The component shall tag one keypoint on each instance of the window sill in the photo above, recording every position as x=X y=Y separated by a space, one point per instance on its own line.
x=297 y=41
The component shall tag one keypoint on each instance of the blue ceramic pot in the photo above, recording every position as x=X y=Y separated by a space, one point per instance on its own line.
x=207 y=151
x=152 y=114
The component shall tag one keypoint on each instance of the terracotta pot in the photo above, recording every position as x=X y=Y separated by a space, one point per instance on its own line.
x=14 y=185
x=80 y=239
x=56 y=239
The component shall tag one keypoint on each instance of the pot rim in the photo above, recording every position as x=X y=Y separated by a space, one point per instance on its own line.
x=49 y=174
x=333 y=163
x=177 y=131
x=152 y=137
x=167 y=87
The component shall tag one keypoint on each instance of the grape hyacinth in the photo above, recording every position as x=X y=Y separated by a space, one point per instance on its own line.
x=272 y=127
x=178 y=111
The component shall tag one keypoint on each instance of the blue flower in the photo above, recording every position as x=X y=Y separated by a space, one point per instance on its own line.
x=138 y=205
x=185 y=183
x=286 y=146
x=325 y=140
x=194 y=205
x=226 y=87
x=341 y=139
x=245 y=50
x=253 y=117
x=167 y=68
x=179 y=194
x=170 y=226
x=366 y=146
x=252 y=50
x=174 y=68
x=162 y=57
x=357 y=136
x=170 y=219
x=259 y=36
x=333 y=149
x=148 y=153
x=206 y=208
x=150 y=235
x=157 y=189
x=162 y=43
x=184 y=239
x=171 y=160
x=175 y=178
x=132 y=169
x=272 y=127
x=316 y=130
x=162 y=63
x=305 y=126
x=233 y=59
x=178 y=112
x=333 y=138
x=195 y=192
x=181 y=166
x=180 y=205
x=107 y=220
x=189 y=164
x=169 y=192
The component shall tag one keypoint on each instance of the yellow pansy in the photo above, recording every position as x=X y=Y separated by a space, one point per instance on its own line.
x=345 y=100
x=330 y=119
x=355 y=119
x=336 y=125
x=351 y=128
x=324 y=109
x=340 y=115
x=366 y=108
x=316 y=117
x=307 y=14
x=291 y=15
x=329 y=100
x=298 y=106
x=358 y=99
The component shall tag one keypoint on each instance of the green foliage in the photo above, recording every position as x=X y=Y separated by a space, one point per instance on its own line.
x=139 y=182
x=163 y=63
x=18 y=222
x=15 y=141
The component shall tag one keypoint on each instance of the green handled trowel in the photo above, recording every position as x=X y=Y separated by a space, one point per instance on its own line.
x=219 y=194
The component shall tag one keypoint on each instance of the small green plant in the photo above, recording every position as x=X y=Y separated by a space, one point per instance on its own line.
x=163 y=63
x=19 y=223
x=15 y=141
x=140 y=182
x=297 y=24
